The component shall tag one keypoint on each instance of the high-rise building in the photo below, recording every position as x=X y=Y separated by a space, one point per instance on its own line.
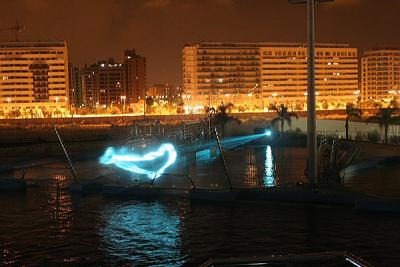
x=255 y=75
x=75 y=90
x=221 y=72
x=135 y=69
x=108 y=82
x=34 y=78
x=102 y=83
x=380 y=74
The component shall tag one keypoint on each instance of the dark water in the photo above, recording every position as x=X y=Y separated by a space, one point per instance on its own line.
x=378 y=179
x=48 y=226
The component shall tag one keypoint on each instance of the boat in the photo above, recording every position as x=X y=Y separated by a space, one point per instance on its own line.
x=309 y=259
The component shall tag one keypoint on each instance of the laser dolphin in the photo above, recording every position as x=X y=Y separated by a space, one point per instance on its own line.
x=126 y=160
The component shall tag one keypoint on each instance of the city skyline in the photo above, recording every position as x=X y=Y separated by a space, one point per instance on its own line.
x=108 y=27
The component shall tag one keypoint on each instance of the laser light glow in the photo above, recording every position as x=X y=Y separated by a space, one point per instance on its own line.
x=129 y=161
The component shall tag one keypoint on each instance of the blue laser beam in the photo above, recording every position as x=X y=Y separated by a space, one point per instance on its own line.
x=232 y=142
x=132 y=162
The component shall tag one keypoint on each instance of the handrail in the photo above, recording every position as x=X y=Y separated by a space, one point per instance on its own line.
x=290 y=258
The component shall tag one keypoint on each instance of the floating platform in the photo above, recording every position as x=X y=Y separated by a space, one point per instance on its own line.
x=220 y=195
x=144 y=192
x=377 y=204
x=295 y=195
x=298 y=195
x=86 y=187
x=11 y=185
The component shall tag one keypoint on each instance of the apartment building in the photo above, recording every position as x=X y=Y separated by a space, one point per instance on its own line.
x=380 y=75
x=221 y=72
x=34 y=78
x=75 y=91
x=107 y=83
x=136 y=79
x=256 y=75
x=103 y=83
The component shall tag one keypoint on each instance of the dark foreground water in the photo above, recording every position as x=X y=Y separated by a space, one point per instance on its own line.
x=48 y=226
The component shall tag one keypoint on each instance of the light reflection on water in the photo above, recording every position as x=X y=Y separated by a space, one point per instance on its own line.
x=254 y=167
x=143 y=233
x=269 y=174
x=60 y=205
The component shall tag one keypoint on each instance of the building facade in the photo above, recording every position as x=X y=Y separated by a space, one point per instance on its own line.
x=380 y=75
x=75 y=90
x=136 y=80
x=103 y=83
x=109 y=83
x=219 y=72
x=34 y=79
x=255 y=75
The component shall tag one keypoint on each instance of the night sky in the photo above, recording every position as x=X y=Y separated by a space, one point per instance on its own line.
x=96 y=29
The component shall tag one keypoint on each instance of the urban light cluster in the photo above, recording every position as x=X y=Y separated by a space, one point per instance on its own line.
x=37 y=81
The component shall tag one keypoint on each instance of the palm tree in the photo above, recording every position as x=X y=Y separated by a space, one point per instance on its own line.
x=351 y=112
x=283 y=115
x=385 y=117
x=221 y=116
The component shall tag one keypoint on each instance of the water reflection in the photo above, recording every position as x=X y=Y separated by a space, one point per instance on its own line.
x=250 y=170
x=250 y=166
x=60 y=204
x=269 y=173
x=142 y=233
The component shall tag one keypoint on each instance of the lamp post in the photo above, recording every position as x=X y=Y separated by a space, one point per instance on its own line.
x=311 y=114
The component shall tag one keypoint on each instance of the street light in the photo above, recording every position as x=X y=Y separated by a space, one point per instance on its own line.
x=311 y=121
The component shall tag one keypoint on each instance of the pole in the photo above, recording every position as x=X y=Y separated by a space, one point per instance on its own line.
x=223 y=160
x=209 y=111
x=311 y=117
x=66 y=155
